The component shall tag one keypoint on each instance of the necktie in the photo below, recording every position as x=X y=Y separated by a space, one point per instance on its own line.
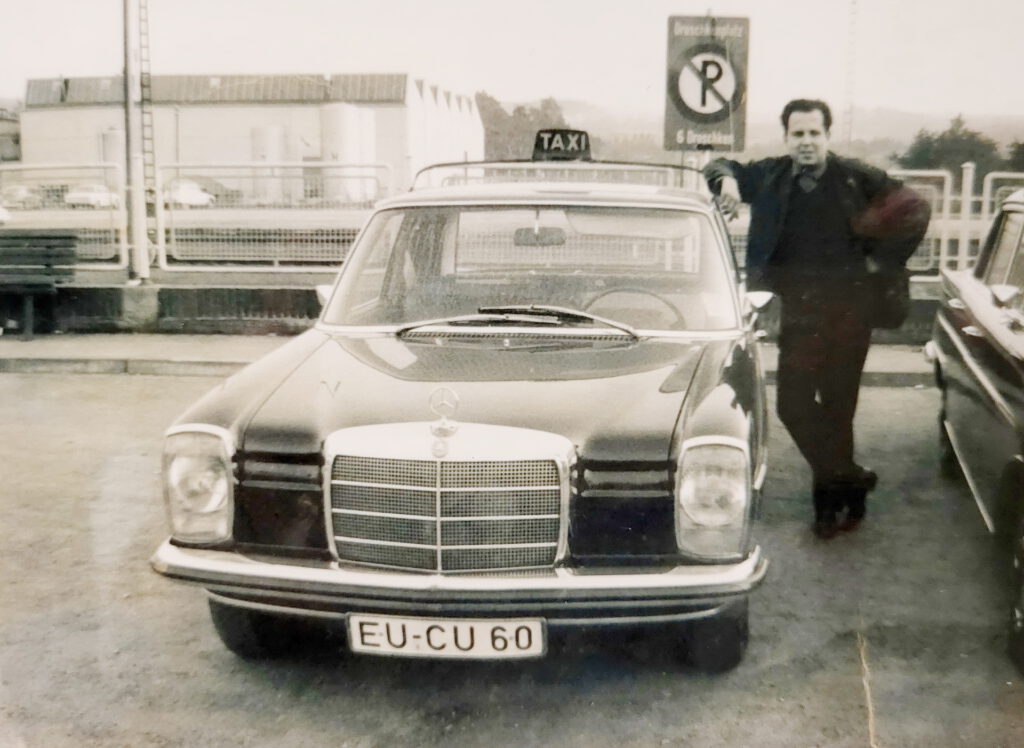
x=807 y=180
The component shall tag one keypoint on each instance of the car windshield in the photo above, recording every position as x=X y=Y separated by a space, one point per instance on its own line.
x=649 y=269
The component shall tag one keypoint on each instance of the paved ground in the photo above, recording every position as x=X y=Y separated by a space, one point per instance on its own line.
x=891 y=637
x=216 y=355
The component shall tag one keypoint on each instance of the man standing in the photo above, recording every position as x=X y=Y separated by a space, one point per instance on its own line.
x=802 y=246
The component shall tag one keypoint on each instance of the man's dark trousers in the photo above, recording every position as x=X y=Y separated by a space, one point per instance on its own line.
x=823 y=343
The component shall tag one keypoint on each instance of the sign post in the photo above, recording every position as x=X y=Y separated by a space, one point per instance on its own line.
x=706 y=107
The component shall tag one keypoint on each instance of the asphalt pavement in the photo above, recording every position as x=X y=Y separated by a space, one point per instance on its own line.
x=222 y=355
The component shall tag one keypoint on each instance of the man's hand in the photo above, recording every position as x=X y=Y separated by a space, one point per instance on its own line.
x=729 y=198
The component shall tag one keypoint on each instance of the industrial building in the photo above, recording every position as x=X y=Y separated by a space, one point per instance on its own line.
x=392 y=120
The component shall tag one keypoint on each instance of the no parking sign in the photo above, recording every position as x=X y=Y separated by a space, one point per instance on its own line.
x=707 y=75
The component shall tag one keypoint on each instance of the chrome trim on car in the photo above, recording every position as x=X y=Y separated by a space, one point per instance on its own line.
x=204 y=428
x=472 y=442
x=971 y=483
x=760 y=476
x=1005 y=411
x=284 y=577
x=708 y=609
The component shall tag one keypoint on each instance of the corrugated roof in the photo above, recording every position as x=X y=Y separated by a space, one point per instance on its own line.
x=378 y=88
x=205 y=89
x=72 y=91
x=192 y=89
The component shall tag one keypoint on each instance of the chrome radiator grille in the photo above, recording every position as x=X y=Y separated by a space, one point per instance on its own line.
x=446 y=516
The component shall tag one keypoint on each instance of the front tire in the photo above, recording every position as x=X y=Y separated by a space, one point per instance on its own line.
x=717 y=644
x=253 y=635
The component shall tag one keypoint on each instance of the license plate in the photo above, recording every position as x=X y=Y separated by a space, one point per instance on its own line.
x=474 y=639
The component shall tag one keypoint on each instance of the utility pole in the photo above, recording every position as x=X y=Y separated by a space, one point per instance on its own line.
x=138 y=262
x=851 y=59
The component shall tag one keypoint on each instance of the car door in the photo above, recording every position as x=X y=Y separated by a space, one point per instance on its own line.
x=981 y=341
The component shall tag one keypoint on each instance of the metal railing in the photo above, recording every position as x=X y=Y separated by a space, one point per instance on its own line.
x=935 y=186
x=263 y=216
x=300 y=216
x=87 y=198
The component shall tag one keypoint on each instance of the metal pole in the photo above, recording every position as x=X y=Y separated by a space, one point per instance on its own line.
x=966 y=211
x=135 y=199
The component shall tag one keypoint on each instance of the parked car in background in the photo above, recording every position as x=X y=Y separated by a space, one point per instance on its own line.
x=534 y=400
x=21 y=197
x=91 y=196
x=184 y=193
x=978 y=350
x=223 y=195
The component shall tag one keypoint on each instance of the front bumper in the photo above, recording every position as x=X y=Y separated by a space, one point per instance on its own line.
x=561 y=596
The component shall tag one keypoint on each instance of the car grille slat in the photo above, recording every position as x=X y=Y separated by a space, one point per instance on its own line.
x=464 y=516
x=496 y=503
x=501 y=532
x=392 y=529
x=383 y=555
x=359 y=498
x=466 y=559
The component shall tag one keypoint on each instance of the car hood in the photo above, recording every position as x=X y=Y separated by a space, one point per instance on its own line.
x=606 y=396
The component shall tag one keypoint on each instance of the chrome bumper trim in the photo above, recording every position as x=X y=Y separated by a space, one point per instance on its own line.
x=228 y=571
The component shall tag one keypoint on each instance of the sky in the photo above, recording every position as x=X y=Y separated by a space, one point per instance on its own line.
x=925 y=56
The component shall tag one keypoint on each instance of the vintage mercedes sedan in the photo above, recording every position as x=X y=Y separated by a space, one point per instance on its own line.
x=533 y=400
x=978 y=350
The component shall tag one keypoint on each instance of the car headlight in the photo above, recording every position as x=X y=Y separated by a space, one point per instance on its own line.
x=199 y=484
x=713 y=499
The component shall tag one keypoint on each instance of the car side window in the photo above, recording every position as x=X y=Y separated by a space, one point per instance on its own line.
x=1015 y=277
x=1005 y=249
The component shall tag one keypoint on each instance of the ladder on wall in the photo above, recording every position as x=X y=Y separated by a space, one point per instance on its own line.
x=146 y=106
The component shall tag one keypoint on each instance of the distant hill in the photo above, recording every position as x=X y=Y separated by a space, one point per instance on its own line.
x=877 y=133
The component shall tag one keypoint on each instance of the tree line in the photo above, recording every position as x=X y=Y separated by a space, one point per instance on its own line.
x=957 y=145
x=509 y=135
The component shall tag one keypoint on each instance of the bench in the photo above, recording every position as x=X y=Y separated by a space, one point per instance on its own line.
x=34 y=262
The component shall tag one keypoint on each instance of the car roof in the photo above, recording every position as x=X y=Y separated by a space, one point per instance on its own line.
x=1015 y=200
x=554 y=193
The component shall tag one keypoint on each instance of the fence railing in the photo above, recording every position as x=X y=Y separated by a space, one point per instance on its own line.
x=264 y=215
x=87 y=198
x=298 y=216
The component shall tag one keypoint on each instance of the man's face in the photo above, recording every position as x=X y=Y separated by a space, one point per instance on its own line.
x=807 y=138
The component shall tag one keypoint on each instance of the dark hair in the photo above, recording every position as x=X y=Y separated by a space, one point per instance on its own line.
x=806 y=105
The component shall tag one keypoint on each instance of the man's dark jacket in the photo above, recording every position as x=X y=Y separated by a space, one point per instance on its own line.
x=766 y=186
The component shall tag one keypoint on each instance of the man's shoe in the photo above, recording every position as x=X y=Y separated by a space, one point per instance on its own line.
x=826 y=528
x=861 y=477
x=854 y=500
x=849 y=524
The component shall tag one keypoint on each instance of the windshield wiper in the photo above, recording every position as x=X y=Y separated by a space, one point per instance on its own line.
x=485 y=316
x=559 y=314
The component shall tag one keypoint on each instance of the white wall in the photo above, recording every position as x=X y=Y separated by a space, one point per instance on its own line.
x=407 y=137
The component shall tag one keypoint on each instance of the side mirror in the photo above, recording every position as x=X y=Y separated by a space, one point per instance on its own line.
x=323 y=293
x=1003 y=295
x=757 y=301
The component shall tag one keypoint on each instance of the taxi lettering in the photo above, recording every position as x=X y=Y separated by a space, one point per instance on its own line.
x=561 y=145
x=572 y=141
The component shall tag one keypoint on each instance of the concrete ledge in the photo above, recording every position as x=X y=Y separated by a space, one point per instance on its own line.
x=183 y=368
x=119 y=366
x=62 y=366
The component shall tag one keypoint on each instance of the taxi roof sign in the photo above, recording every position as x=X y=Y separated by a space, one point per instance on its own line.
x=561 y=145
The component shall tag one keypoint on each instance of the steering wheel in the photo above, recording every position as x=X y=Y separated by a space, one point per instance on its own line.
x=676 y=314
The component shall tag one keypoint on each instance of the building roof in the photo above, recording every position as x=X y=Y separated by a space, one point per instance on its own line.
x=374 y=88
